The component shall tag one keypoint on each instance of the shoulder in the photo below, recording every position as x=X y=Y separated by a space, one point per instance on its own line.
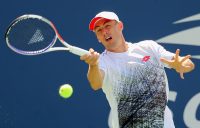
x=147 y=43
x=104 y=54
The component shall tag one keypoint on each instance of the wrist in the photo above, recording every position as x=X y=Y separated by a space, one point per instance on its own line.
x=93 y=65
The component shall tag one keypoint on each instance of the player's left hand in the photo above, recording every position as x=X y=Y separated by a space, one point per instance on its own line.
x=180 y=64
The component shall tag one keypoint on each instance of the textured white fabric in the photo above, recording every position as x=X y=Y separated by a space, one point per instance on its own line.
x=135 y=84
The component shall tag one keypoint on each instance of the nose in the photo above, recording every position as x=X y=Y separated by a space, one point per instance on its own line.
x=104 y=30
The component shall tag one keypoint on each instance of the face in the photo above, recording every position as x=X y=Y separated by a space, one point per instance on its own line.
x=109 y=33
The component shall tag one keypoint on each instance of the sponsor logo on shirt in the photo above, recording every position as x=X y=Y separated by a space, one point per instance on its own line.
x=145 y=58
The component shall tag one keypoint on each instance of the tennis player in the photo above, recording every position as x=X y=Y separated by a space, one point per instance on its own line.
x=132 y=75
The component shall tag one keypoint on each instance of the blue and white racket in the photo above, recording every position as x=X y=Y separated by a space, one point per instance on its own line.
x=34 y=35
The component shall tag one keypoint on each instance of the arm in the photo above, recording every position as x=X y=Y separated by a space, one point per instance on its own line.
x=95 y=75
x=180 y=64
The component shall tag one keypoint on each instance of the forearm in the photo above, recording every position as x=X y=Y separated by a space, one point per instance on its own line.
x=95 y=77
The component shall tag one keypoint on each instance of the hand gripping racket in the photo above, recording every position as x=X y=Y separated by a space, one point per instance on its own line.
x=34 y=35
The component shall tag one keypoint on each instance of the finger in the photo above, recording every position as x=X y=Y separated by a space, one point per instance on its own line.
x=84 y=57
x=181 y=75
x=177 y=54
x=185 y=58
x=93 y=62
x=91 y=50
x=186 y=68
x=92 y=59
x=89 y=59
x=92 y=56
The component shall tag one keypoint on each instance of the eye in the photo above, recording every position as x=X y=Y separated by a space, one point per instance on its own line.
x=108 y=26
x=98 y=30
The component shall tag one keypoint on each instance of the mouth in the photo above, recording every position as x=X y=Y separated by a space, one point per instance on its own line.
x=108 y=38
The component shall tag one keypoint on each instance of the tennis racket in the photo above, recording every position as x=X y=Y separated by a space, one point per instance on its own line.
x=33 y=35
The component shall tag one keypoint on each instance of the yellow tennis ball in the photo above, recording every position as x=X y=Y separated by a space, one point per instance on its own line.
x=65 y=91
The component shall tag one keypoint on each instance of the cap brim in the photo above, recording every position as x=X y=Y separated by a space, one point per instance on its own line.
x=93 y=22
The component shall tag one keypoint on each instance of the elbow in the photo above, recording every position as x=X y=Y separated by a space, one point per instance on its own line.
x=96 y=84
x=95 y=87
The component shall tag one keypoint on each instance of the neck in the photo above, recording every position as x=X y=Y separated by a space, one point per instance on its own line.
x=121 y=46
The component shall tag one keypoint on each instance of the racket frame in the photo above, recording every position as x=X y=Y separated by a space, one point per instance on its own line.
x=75 y=50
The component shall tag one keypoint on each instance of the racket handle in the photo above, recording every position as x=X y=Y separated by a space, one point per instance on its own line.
x=78 y=51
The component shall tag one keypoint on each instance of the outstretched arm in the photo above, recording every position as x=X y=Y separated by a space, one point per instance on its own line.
x=95 y=75
x=180 y=64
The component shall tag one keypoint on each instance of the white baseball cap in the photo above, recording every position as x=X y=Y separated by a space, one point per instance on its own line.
x=102 y=15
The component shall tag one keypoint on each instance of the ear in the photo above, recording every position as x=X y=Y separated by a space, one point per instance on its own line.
x=98 y=39
x=121 y=26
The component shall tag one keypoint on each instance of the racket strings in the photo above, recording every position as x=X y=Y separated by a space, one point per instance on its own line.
x=31 y=36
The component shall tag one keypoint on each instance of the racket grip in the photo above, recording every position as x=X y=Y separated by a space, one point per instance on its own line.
x=78 y=51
